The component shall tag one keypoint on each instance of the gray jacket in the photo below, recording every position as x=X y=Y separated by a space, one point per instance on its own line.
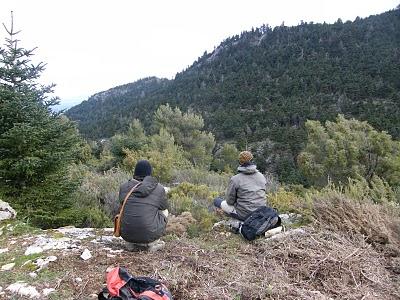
x=142 y=220
x=246 y=190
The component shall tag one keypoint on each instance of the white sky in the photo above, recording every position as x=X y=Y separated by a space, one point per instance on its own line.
x=93 y=45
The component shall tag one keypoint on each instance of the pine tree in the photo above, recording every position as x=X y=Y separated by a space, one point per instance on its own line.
x=349 y=149
x=36 y=144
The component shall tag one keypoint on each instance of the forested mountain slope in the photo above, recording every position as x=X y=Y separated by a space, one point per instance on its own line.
x=108 y=112
x=260 y=87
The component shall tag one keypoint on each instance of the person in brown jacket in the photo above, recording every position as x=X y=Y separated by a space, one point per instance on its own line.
x=246 y=190
x=144 y=218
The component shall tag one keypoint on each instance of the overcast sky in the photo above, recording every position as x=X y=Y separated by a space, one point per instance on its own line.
x=93 y=45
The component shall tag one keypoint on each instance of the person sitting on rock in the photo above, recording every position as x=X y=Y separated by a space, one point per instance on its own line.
x=246 y=190
x=145 y=215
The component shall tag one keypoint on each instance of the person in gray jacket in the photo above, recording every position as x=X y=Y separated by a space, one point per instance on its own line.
x=144 y=218
x=246 y=190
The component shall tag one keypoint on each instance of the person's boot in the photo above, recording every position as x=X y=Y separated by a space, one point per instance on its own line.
x=133 y=247
x=156 y=245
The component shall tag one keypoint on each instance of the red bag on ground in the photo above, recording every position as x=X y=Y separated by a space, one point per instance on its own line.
x=123 y=286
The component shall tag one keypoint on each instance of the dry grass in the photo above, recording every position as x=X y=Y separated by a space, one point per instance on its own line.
x=380 y=224
x=178 y=225
x=314 y=265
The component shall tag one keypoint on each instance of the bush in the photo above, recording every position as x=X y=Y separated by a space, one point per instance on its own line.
x=197 y=199
x=380 y=224
x=87 y=217
x=348 y=148
x=41 y=205
x=95 y=201
x=214 y=181
x=377 y=190
x=226 y=158
x=163 y=154
x=284 y=201
x=197 y=194
x=101 y=190
x=180 y=203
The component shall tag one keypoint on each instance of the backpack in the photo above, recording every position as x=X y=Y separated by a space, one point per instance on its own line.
x=123 y=286
x=259 y=221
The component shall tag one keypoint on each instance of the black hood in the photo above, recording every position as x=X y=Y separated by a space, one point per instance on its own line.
x=146 y=187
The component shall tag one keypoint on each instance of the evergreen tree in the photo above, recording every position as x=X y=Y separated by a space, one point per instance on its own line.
x=133 y=139
x=226 y=159
x=36 y=144
x=349 y=149
x=186 y=128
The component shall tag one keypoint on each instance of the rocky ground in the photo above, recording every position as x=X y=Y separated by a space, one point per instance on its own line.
x=303 y=263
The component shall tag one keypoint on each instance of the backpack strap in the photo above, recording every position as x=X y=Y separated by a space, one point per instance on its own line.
x=126 y=198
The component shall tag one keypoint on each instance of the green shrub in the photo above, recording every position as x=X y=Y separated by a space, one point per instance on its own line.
x=179 y=204
x=377 y=190
x=286 y=200
x=101 y=190
x=215 y=181
x=283 y=200
x=42 y=203
x=87 y=217
x=163 y=154
x=226 y=158
x=348 y=148
x=197 y=199
x=205 y=221
x=198 y=194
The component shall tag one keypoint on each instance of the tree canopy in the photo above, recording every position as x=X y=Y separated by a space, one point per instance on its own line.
x=348 y=149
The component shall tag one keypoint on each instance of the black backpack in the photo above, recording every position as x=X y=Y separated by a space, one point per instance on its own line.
x=259 y=221
x=123 y=286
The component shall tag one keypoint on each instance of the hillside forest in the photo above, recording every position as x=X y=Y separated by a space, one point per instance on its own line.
x=259 y=88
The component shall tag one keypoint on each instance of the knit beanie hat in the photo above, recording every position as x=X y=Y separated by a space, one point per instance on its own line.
x=142 y=169
x=245 y=157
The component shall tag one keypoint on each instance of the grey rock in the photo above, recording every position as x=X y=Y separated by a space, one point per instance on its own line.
x=6 y=211
x=33 y=250
x=77 y=233
x=42 y=263
x=290 y=218
x=23 y=289
x=7 y=267
x=48 y=291
x=297 y=231
x=86 y=254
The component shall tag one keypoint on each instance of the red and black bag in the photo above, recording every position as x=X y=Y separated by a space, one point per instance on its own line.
x=123 y=286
